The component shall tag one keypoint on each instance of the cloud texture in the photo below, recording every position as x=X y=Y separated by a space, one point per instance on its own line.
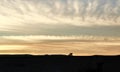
x=44 y=39
x=21 y=16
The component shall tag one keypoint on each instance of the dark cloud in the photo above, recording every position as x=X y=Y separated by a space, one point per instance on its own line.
x=65 y=29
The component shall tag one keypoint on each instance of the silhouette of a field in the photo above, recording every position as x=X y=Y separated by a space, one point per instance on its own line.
x=59 y=63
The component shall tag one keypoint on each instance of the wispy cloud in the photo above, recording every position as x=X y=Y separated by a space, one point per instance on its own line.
x=43 y=38
x=20 y=16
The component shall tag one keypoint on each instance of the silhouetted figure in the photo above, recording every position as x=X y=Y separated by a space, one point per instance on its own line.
x=71 y=54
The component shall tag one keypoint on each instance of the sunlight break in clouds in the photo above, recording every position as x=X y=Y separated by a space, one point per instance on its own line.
x=16 y=15
x=12 y=47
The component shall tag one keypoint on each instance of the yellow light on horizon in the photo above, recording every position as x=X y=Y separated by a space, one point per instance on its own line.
x=12 y=47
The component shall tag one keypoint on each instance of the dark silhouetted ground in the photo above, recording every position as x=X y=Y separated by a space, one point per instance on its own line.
x=59 y=63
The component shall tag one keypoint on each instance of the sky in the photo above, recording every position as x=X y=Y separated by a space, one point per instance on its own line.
x=60 y=17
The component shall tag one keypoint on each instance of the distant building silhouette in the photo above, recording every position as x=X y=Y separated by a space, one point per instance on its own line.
x=71 y=54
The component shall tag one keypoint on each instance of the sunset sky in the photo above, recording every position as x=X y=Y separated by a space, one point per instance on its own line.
x=82 y=27
x=60 y=17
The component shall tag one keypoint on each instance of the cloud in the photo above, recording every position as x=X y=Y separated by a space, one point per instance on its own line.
x=20 y=16
x=43 y=38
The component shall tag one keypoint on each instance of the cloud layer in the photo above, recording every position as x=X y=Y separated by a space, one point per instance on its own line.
x=21 y=16
x=44 y=39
